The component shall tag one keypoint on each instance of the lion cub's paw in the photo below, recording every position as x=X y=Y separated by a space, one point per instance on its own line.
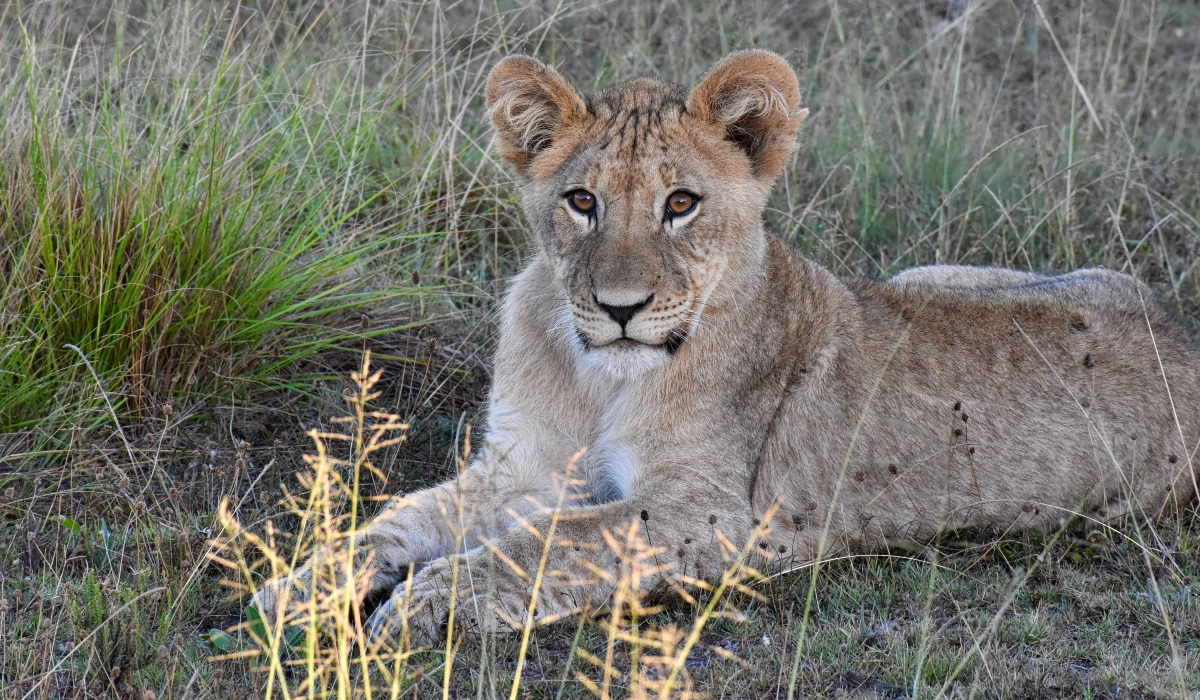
x=426 y=604
x=423 y=618
x=266 y=600
x=422 y=606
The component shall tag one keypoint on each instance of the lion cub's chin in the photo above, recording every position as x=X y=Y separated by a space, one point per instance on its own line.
x=625 y=359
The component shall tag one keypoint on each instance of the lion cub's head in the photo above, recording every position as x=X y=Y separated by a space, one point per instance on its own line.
x=647 y=200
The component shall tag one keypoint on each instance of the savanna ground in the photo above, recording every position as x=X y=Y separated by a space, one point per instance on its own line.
x=210 y=211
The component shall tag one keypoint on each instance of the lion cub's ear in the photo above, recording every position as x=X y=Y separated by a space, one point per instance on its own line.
x=528 y=103
x=754 y=95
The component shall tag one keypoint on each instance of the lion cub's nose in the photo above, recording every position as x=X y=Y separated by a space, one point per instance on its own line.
x=622 y=314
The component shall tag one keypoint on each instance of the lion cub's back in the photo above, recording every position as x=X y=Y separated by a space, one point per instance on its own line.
x=1104 y=304
x=965 y=276
x=1117 y=291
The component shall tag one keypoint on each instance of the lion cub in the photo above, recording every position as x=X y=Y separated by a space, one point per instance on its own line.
x=708 y=374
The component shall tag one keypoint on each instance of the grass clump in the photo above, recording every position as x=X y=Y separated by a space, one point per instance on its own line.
x=183 y=228
x=171 y=274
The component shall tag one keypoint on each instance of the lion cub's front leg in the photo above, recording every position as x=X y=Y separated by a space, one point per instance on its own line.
x=408 y=531
x=419 y=528
x=678 y=515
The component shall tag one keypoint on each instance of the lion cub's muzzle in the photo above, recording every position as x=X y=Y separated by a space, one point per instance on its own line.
x=624 y=320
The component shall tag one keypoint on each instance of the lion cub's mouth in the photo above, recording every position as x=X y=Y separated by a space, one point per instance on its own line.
x=675 y=340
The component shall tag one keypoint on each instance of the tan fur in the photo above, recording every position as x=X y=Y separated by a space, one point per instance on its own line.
x=867 y=412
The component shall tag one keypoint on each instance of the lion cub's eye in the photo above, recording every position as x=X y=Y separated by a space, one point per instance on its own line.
x=582 y=201
x=680 y=203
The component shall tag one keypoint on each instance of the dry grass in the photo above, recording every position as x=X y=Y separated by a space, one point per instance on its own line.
x=221 y=206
